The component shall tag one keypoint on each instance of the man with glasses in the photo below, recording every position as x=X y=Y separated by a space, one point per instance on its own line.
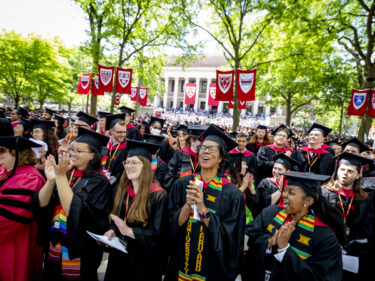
x=115 y=151
x=131 y=131
x=266 y=153
x=313 y=157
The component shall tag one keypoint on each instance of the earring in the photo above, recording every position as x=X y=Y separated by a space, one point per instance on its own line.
x=304 y=205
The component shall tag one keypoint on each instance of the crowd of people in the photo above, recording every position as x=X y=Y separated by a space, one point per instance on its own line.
x=189 y=198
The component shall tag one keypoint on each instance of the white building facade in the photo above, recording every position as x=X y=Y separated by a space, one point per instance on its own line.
x=202 y=73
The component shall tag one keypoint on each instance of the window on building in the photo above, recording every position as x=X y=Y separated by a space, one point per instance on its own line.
x=182 y=90
x=171 y=104
x=203 y=89
x=172 y=86
x=203 y=105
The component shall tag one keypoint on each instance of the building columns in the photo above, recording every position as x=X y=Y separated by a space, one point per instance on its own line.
x=186 y=81
x=197 y=95
x=166 y=86
x=207 y=92
x=175 y=92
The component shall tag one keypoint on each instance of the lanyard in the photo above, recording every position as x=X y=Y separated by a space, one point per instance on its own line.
x=71 y=177
x=194 y=167
x=342 y=207
x=308 y=159
x=112 y=156
x=126 y=208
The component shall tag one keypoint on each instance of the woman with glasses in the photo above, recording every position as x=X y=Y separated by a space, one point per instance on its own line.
x=76 y=198
x=138 y=218
x=207 y=217
x=21 y=259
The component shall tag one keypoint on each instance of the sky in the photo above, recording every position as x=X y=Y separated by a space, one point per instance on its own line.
x=48 y=18
x=62 y=18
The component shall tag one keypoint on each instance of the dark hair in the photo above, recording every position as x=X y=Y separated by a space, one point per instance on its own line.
x=51 y=140
x=330 y=215
x=94 y=165
x=234 y=172
x=60 y=130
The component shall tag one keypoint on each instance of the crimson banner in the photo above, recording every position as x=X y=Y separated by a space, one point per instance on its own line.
x=241 y=104
x=371 y=111
x=190 y=90
x=358 y=102
x=117 y=98
x=212 y=96
x=246 y=84
x=95 y=88
x=84 y=84
x=224 y=85
x=123 y=80
x=142 y=98
x=133 y=94
x=105 y=78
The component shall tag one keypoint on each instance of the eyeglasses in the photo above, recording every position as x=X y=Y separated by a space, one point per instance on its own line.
x=210 y=148
x=281 y=136
x=131 y=163
x=119 y=132
x=73 y=151
x=80 y=125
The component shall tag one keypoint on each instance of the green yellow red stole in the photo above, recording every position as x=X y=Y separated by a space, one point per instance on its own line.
x=300 y=242
x=195 y=264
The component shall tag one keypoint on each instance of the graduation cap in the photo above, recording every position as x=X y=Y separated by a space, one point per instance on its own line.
x=23 y=112
x=126 y=110
x=356 y=143
x=317 y=127
x=262 y=127
x=284 y=160
x=156 y=119
x=143 y=149
x=43 y=124
x=50 y=111
x=309 y=182
x=233 y=135
x=103 y=114
x=6 y=128
x=153 y=139
x=84 y=117
x=112 y=120
x=182 y=128
x=17 y=143
x=197 y=130
x=93 y=138
x=213 y=133
x=331 y=142
x=282 y=126
x=352 y=159
x=27 y=124
x=236 y=158
x=59 y=118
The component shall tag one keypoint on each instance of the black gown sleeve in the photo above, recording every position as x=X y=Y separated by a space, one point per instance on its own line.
x=161 y=171
x=172 y=172
x=132 y=133
x=252 y=167
x=265 y=189
x=265 y=162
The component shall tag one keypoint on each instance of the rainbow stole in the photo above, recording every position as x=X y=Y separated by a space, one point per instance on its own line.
x=300 y=240
x=154 y=164
x=194 y=266
x=103 y=162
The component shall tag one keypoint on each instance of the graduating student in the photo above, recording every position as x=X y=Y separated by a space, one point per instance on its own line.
x=354 y=146
x=21 y=258
x=300 y=240
x=183 y=139
x=23 y=128
x=139 y=218
x=115 y=150
x=208 y=245
x=313 y=157
x=265 y=154
x=17 y=114
x=43 y=130
x=131 y=131
x=357 y=207
x=184 y=162
x=250 y=157
x=48 y=114
x=159 y=167
x=82 y=120
x=102 y=122
x=81 y=201
x=269 y=189
x=59 y=125
x=259 y=139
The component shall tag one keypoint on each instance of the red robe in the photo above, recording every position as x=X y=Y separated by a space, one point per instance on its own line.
x=21 y=258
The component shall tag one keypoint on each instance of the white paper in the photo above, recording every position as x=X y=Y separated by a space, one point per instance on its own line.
x=38 y=150
x=114 y=242
x=350 y=263
x=194 y=206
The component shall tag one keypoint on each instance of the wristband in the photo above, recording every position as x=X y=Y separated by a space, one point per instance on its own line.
x=206 y=214
x=283 y=249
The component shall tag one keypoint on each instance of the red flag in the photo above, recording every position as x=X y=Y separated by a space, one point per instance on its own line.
x=142 y=98
x=95 y=87
x=212 y=96
x=224 y=85
x=105 y=78
x=230 y=104
x=241 y=104
x=84 y=84
x=246 y=84
x=133 y=94
x=358 y=102
x=123 y=80
x=371 y=111
x=117 y=98
x=190 y=90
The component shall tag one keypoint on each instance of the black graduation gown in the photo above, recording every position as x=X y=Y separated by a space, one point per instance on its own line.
x=323 y=165
x=115 y=166
x=166 y=152
x=253 y=147
x=251 y=162
x=161 y=171
x=91 y=204
x=224 y=234
x=361 y=238
x=147 y=252
x=180 y=163
x=131 y=132
x=265 y=189
x=324 y=264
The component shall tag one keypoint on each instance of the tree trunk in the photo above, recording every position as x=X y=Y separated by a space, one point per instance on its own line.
x=140 y=84
x=288 y=112
x=236 y=110
x=341 y=117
